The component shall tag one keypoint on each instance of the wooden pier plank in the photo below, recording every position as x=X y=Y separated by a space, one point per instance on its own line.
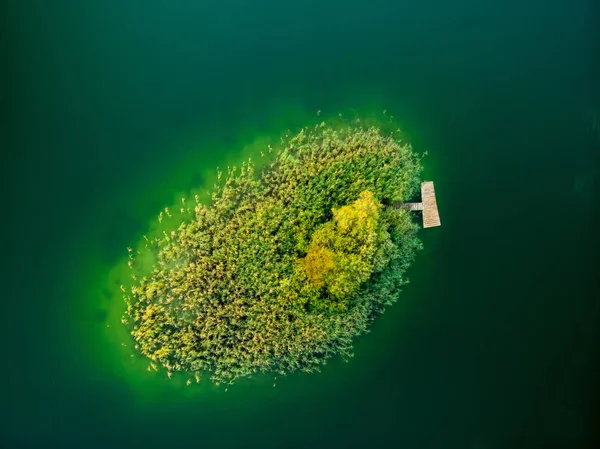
x=412 y=206
x=431 y=216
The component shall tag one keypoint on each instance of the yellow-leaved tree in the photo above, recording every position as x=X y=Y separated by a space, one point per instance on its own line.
x=342 y=254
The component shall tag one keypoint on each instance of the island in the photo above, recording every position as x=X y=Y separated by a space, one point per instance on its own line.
x=287 y=264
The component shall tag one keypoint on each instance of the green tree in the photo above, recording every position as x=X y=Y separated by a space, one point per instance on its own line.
x=344 y=252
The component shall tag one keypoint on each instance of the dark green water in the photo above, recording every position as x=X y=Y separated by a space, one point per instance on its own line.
x=114 y=109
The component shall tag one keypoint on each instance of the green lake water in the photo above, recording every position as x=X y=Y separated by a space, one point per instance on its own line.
x=112 y=110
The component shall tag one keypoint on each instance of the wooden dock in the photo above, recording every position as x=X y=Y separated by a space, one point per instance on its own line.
x=431 y=216
x=412 y=206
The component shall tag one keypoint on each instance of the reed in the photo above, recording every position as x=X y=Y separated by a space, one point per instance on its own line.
x=285 y=267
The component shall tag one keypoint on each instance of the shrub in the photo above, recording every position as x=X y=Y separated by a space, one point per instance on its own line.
x=285 y=267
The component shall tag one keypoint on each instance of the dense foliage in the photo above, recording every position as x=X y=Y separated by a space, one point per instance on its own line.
x=284 y=267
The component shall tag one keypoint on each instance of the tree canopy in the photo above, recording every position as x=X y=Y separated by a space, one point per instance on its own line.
x=285 y=267
x=344 y=252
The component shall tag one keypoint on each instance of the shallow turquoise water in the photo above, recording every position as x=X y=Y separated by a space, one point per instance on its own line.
x=113 y=111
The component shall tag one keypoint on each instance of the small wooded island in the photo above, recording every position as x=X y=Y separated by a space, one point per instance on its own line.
x=285 y=267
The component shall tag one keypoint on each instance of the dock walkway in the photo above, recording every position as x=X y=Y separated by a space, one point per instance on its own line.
x=431 y=216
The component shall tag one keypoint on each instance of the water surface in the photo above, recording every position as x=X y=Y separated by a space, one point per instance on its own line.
x=114 y=109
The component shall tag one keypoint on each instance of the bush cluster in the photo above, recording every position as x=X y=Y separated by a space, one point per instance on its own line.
x=286 y=265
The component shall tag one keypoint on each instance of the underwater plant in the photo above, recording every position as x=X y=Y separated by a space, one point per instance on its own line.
x=285 y=266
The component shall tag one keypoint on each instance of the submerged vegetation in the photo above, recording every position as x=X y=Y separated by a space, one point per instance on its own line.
x=285 y=266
